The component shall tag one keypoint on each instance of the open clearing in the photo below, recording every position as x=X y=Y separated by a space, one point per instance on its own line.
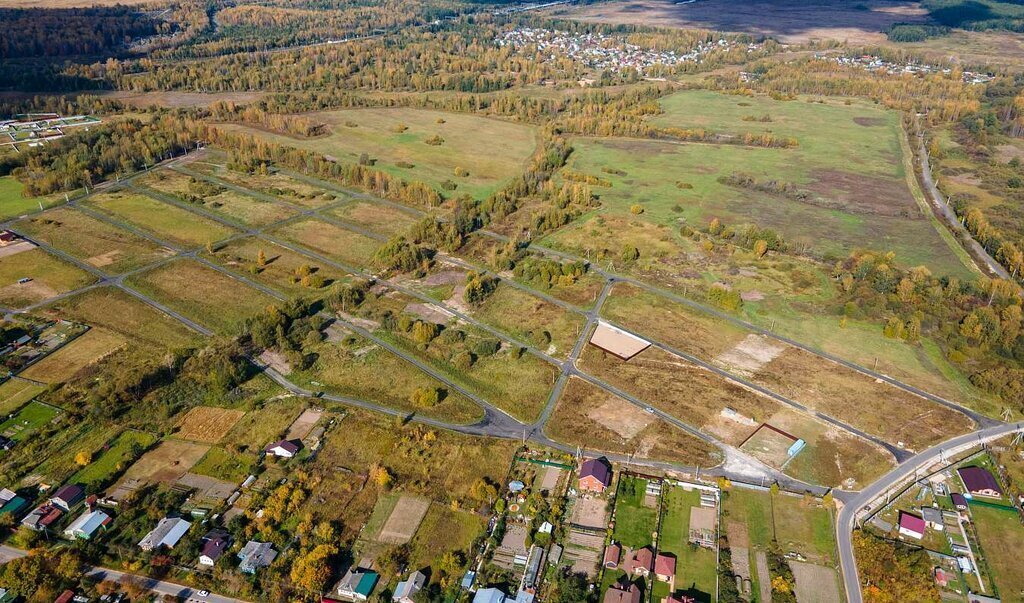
x=376 y=217
x=853 y=203
x=48 y=276
x=468 y=143
x=106 y=247
x=229 y=204
x=594 y=419
x=119 y=312
x=531 y=319
x=166 y=463
x=202 y=294
x=163 y=220
x=12 y=203
x=113 y=458
x=207 y=423
x=282 y=269
x=405 y=518
x=88 y=348
x=344 y=246
x=277 y=184
x=1002 y=538
x=790 y=21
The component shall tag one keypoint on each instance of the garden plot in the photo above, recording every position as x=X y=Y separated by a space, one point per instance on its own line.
x=405 y=518
x=31 y=417
x=165 y=221
x=166 y=463
x=814 y=583
x=207 y=423
x=85 y=350
x=303 y=424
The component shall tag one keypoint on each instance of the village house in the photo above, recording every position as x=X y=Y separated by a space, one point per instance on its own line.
x=980 y=482
x=255 y=555
x=595 y=475
x=42 y=517
x=622 y=593
x=285 y=449
x=88 y=524
x=612 y=553
x=958 y=501
x=665 y=567
x=407 y=589
x=68 y=497
x=167 y=533
x=642 y=562
x=933 y=518
x=214 y=543
x=911 y=525
x=357 y=584
x=680 y=599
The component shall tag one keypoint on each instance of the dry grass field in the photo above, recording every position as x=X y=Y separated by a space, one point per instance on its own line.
x=15 y=392
x=277 y=184
x=207 y=423
x=165 y=221
x=166 y=463
x=90 y=347
x=789 y=21
x=376 y=217
x=405 y=518
x=345 y=246
x=48 y=276
x=231 y=205
x=282 y=268
x=597 y=420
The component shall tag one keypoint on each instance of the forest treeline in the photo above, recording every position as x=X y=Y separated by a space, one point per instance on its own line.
x=39 y=32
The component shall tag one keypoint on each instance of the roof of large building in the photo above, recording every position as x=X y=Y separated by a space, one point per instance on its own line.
x=88 y=523
x=597 y=469
x=978 y=479
x=643 y=558
x=166 y=533
x=255 y=555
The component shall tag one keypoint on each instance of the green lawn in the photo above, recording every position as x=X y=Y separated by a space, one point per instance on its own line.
x=635 y=523
x=225 y=465
x=752 y=508
x=165 y=221
x=469 y=143
x=31 y=417
x=12 y=203
x=114 y=458
x=696 y=568
x=1002 y=538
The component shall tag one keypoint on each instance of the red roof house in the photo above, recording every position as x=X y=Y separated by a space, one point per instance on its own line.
x=619 y=593
x=665 y=567
x=642 y=561
x=595 y=475
x=980 y=482
x=911 y=525
x=612 y=554
x=65 y=597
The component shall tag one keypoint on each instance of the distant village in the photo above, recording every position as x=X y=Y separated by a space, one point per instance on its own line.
x=612 y=53
x=875 y=63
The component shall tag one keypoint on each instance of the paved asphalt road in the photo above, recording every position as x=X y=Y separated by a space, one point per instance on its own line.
x=853 y=509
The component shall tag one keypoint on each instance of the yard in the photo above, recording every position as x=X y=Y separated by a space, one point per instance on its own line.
x=47 y=276
x=636 y=514
x=113 y=458
x=394 y=139
x=164 y=221
x=696 y=567
x=205 y=295
x=31 y=417
x=106 y=247
x=1002 y=538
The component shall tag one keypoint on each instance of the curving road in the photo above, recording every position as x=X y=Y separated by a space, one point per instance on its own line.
x=865 y=501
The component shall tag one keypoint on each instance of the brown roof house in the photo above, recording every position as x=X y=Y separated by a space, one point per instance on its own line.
x=642 y=562
x=595 y=475
x=622 y=593
x=612 y=554
x=665 y=567
x=980 y=482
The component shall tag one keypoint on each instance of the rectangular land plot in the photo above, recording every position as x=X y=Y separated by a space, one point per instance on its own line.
x=48 y=276
x=278 y=184
x=395 y=139
x=163 y=220
x=595 y=419
x=696 y=568
x=354 y=367
x=377 y=217
x=202 y=294
x=118 y=312
x=689 y=393
x=106 y=247
x=335 y=242
x=531 y=319
x=13 y=203
x=230 y=204
x=1002 y=537
x=31 y=417
x=113 y=457
x=282 y=269
x=92 y=346
x=207 y=423
x=15 y=392
x=404 y=519
x=166 y=463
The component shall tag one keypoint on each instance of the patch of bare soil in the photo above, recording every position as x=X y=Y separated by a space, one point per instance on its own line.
x=863 y=194
x=105 y=259
x=458 y=300
x=429 y=313
x=750 y=354
x=404 y=520
x=33 y=290
x=444 y=277
x=622 y=418
x=15 y=248
x=276 y=361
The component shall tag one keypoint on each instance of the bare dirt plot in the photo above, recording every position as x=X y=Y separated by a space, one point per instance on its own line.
x=276 y=361
x=595 y=419
x=874 y=406
x=207 y=423
x=303 y=424
x=768 y=445
x=623 y=344
x=89 y=348
x=750 y=355
x=15 y=248
x=590 y=512
x=166 y=463
x=815 y=583
x=207 y=488
x=764 y=577
x=550 y=478
x=404 y=519
x=790 y=21
x=429 y=313
x=689 y=393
